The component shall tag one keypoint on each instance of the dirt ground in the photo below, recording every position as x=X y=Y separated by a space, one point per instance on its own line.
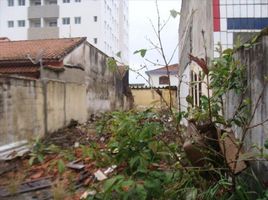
x=66 y=183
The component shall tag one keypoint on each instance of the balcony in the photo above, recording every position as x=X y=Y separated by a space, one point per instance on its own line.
x=43 y=11
x=43 y=32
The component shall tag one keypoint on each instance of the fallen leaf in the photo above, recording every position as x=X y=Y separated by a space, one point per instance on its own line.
x=37 y=175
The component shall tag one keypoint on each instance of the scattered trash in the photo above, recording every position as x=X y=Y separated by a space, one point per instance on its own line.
x=229 y=148
x=194 y=146
x=100 y=176
x=88 y=193
x=110 y=169
x=75 y=165
x=83 y=179
x=76 y=144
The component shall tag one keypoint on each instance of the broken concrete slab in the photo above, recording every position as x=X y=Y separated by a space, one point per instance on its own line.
x=13 y=150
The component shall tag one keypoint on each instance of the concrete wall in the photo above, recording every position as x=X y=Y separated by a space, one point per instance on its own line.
x=195 y=17
x=106 y=90
x=255 y=60
x=86 y=86
x=147 y=97
x=21 y=109
x=30 y=108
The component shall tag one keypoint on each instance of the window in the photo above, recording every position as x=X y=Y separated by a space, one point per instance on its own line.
x=78 y=1
x=246 y=23
x=21 y=23
x=96 y=19
x=95 y=40
x=35 y=23
x=66 y=1
x=37 y=3
x=52 y=23
x=10 y=24
x=21 y=2
x=51 y=2
x=77 y=20
x=10 y=2
x=196 y=88
x=66 y=20
x=163 y=80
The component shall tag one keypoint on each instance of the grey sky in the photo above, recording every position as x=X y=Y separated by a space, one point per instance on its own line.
x=140 y=29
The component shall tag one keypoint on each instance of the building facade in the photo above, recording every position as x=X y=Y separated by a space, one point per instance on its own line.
x=204 y=24
x=159 y=77
x=103 y=22
x=237 y=20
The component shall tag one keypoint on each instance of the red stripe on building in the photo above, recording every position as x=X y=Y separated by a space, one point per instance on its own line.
x=216 y=15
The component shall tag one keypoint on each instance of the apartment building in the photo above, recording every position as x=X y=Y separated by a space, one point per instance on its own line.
x=235 y=20
x=206 y=23
x=103 y=22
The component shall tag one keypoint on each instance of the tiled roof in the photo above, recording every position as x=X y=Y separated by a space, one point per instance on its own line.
x=173 y=69
x=18 y=70
x=51 y=49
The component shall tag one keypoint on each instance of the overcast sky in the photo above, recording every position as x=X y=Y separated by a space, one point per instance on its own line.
x=140 y=30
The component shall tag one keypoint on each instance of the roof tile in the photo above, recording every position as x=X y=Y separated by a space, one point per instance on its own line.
x=52 y=49
x=173 y=69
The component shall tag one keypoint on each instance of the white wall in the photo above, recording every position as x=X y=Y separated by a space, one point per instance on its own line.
x=111 y=28
x=154 y=80
x=14 y=13
x=184 y=89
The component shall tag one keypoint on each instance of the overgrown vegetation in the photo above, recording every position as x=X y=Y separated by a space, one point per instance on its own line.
x=148 y=149
x=136 y=144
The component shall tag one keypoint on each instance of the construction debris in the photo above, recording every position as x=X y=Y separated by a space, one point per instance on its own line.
x=88 y=193
x=7 y=167
x=110 y=169
x=229 y=148
x=75 y=165
x=13 y=150
x=27 y=187
x=100 y=176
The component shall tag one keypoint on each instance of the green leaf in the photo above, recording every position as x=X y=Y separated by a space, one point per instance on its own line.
x=142 y=52
x=246 y=45
x=228 y=51
x=133 y=161
x=111 y=64
x=266 y=144
x=31 y=160
x=141 y=192
x=111 y=182
x=189 y=99
x=40 y=158
x=118 y=54
x=127 y=183
x=61 y=166
x=174 y=13
x=153 y=146
x=192 y=194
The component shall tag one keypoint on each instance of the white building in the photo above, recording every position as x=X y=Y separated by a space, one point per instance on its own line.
x=159 y=77
x=205 y=25
x=103 y=22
